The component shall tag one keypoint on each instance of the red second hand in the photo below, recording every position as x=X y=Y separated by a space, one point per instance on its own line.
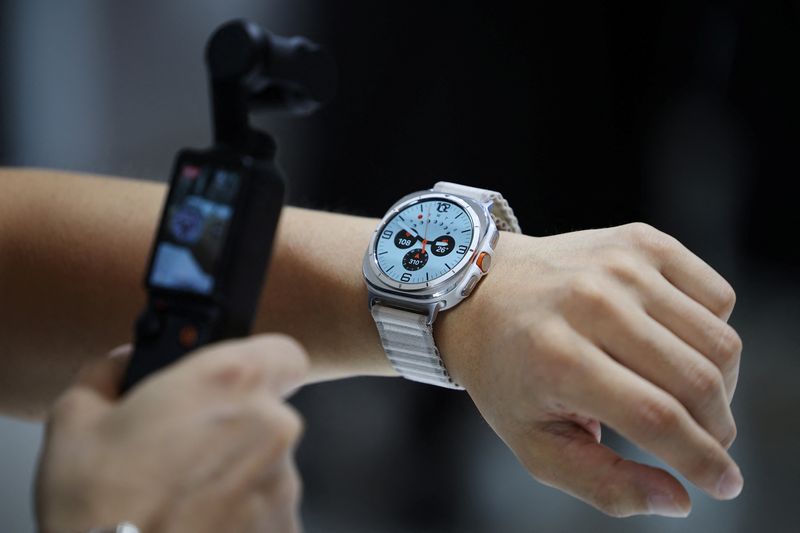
x=425 y=238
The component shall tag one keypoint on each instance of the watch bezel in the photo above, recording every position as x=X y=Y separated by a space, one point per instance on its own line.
x=404 y=203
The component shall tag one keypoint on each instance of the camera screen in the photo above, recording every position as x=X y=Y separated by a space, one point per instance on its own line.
x=194 y=229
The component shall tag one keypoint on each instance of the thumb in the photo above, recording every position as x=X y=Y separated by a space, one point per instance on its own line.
x=103 y=376
x=272 y=363
x=566 y=456
x=95 y=389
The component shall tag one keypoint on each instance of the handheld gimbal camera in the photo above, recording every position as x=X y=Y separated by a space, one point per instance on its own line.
x=212 y=247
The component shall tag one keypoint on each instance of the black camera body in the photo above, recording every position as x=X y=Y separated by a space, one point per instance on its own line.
x=210 y=255
x=212 y=247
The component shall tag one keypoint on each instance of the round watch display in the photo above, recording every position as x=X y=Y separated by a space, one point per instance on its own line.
x=424 y=241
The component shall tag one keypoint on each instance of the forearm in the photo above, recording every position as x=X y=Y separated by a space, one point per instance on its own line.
x=73 y=255
x=315 y=292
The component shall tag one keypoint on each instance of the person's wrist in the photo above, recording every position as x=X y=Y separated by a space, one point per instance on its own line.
x=83 y=504
x=86 y=521
x=475 y=327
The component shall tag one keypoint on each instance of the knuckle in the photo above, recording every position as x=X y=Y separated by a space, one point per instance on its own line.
x=587 y=290
x=727 y=441
x=648 y=238
x=727 y=298
x=656 y=417
x=287 y=426
x=708 y=463
x=280 y=426
x=537 y=338
x=639 y=232
x=707 y=382
x=623 y=265
x=545 y=336
x=236 y=372
x=729 y=346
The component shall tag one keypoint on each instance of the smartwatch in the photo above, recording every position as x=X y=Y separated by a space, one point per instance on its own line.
x=426 y=256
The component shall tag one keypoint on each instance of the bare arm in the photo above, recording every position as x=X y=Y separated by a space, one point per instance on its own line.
x=73 y=250
x=623 y=326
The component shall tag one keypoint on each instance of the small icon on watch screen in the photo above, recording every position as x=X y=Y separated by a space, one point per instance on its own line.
x=415 y=259
x=404 y=239
x=443 y=245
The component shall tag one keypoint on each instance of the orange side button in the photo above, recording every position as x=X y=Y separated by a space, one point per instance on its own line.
x=484 y=262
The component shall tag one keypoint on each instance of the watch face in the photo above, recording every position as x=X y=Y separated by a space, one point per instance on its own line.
x=424 y=241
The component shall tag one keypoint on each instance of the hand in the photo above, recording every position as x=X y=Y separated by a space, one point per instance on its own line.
x=622 y=326
x=203 y=446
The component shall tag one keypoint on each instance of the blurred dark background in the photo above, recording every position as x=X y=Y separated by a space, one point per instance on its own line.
x=681 y=114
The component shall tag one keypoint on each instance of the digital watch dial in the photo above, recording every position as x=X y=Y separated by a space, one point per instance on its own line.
x=425 y=241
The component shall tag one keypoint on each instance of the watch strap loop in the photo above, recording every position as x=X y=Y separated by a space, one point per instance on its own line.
x=407 y=338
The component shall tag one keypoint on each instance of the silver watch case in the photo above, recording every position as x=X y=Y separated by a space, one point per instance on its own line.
x=448 y=290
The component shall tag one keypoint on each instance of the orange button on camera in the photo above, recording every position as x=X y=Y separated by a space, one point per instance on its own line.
x=187 y=336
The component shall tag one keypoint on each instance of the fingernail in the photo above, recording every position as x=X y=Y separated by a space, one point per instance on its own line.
x=120 y=351
x=662 y=503
x=730 y=483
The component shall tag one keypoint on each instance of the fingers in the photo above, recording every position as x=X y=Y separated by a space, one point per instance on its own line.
x=649 y=349
x=280 y=427
x=281 y=493
x=686 y=271
x=564 y=455
x=274 y=362
x=104 y=375
x=695 y=325
x=689 y=320
x=228 y=504
x=645 y=414
x=95 y=389
x=265 y=474
x=274 y=506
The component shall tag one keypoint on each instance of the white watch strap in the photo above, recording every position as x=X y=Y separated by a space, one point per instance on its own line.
x=501 y=212
x=407 y=339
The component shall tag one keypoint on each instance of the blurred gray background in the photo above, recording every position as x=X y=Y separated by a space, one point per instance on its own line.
x=678 y=114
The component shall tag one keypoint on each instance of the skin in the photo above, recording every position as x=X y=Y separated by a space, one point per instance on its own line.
x=220 y=451
x=622 y=326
